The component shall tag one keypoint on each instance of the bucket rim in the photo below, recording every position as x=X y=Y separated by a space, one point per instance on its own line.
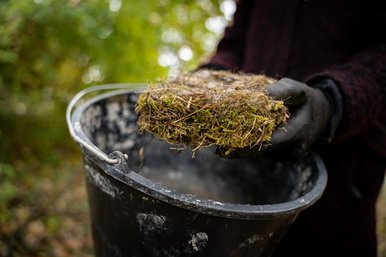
x=192 y=202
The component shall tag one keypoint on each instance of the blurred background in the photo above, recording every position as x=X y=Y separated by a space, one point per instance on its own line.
x=50 y=50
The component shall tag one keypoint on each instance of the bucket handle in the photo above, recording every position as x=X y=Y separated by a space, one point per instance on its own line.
x=74 y=127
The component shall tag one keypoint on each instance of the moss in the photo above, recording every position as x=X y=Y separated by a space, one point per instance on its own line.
x=205 y=108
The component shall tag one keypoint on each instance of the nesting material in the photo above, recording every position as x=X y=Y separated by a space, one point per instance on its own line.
x=206 y=108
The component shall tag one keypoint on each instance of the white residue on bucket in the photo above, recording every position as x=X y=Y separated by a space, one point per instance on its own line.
x=101 y=182
x=218 y=203
x=251 y=240
x=303 y=183
x=92 y=119
x=199 y=241
x=150 y=222
x=113 y=112
x=117 y=116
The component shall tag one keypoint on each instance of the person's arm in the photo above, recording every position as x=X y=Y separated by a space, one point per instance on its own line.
x=342 y=101
x=362 y=84
x=332 y=105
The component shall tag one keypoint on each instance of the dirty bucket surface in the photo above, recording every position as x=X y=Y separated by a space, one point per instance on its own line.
x=162 y=202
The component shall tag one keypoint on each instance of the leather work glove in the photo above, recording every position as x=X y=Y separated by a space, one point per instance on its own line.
x=311 y=115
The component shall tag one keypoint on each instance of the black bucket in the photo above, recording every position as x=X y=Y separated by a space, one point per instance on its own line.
x=148 y=200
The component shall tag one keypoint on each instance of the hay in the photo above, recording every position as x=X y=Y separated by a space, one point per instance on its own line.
x=206 y=108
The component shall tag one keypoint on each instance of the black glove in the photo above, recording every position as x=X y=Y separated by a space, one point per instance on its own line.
x=311 y=114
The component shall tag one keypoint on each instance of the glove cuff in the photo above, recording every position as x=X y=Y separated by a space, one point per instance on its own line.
x=331 y=91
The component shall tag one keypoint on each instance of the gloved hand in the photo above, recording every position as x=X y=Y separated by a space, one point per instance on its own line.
x=310 y=112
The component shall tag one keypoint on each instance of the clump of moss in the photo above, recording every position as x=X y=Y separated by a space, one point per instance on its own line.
x=205 y=108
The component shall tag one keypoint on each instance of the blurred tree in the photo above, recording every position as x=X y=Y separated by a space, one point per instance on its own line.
x=51 y=49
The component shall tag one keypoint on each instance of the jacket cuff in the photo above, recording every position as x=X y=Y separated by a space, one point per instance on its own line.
x=331 y=91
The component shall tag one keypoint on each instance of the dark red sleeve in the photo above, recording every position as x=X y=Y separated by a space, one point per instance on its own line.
x=362 y=83
x=230 y=50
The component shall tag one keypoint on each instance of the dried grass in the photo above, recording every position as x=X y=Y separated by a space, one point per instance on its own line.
x=206 y=108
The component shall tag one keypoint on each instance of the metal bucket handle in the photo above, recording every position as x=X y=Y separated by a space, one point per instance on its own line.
x=75 y=127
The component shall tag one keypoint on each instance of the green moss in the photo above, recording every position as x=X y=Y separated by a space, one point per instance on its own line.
x=208 y=108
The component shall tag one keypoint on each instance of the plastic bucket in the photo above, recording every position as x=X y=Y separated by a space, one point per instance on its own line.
x=147 y=200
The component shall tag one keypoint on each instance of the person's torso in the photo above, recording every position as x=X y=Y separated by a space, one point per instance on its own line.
x=294 y=38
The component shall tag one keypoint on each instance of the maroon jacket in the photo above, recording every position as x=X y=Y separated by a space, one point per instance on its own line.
x=344 y=40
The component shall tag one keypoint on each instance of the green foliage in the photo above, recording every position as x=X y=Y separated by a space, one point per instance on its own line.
x=7 y=188
x=193 y=110
x=51 y=49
